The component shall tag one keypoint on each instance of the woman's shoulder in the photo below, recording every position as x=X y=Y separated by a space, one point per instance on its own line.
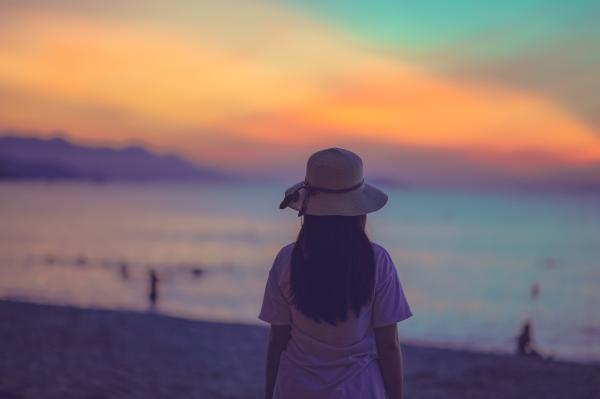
x=384 y=265
x=283 y=260
x=285 y=253
x=381 y=254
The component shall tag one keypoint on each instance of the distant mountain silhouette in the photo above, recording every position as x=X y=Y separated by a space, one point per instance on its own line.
x=57 y=158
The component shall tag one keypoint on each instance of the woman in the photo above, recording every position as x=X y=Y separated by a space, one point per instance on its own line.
x=333 y=298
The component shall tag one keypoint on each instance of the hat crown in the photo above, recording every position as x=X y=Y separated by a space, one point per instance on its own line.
x=334 y=168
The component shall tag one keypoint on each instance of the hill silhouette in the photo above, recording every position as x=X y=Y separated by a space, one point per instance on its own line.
x=57 y=158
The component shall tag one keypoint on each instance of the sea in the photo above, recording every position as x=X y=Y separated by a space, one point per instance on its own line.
x=474 y=265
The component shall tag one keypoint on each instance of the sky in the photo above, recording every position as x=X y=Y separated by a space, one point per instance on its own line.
x=454 y=92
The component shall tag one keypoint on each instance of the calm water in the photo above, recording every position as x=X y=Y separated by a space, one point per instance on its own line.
x=467 y=261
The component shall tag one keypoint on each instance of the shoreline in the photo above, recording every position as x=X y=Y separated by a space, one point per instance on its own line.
x=52 y=351
x=446 y=345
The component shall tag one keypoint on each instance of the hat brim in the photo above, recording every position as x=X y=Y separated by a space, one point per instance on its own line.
x=363 y=200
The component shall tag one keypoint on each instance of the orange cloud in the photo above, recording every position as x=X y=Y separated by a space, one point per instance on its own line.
x=411 y=108
x=268 y=75
x=162 y=78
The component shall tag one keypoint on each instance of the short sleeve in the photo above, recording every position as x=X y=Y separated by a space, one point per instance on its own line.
x=389 y=305
x=275 y=309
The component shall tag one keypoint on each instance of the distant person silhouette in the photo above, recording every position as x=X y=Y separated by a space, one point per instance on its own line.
x=535 y=291
x=124 y=269
x=153 y=296
x=525 y=342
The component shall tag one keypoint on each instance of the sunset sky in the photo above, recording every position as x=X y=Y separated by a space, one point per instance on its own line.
x=501 y=87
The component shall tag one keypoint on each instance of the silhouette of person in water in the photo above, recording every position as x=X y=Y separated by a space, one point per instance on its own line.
x=153 y=296
x=525 y=342
x=124 y=269
x=535 y=291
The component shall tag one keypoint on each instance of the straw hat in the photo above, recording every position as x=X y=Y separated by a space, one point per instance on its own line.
x=334 y=185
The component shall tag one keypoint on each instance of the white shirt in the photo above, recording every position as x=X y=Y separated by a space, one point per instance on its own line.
x=326 y=361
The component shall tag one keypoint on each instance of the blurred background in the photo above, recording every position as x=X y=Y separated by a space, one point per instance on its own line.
x=139 y=136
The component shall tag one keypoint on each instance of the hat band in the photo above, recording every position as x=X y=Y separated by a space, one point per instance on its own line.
x=313 y=190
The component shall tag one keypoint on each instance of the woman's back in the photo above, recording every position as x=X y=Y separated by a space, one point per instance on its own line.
x=326 y=360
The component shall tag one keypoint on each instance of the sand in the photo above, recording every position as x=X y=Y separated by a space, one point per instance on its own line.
x=65 y=352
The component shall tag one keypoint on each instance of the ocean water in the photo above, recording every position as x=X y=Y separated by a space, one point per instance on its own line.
x=467 y=261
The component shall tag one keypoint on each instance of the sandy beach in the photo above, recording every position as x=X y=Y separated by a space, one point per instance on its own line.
x=65 y=352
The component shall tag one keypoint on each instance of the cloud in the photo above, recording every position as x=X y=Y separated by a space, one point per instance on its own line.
x=393 y=104
x=548 y=48
x=173 y=75
x=566 y=72
x=177 y=75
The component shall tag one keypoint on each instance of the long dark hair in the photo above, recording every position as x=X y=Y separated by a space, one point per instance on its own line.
x=333 y=267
